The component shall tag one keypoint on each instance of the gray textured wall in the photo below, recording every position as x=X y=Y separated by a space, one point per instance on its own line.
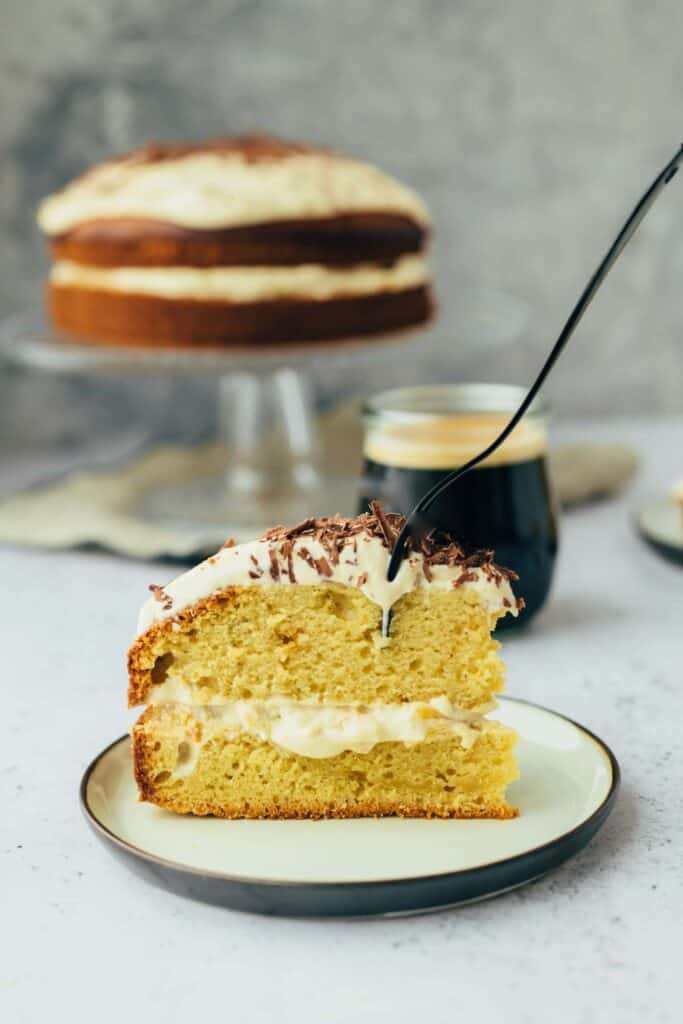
x=529 y=126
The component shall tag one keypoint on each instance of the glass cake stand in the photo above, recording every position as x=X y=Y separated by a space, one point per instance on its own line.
x=274 y=470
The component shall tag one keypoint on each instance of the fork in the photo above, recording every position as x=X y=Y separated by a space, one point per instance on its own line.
x=416 y=525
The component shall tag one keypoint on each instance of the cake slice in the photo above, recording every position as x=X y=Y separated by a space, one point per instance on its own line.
x=270 y=692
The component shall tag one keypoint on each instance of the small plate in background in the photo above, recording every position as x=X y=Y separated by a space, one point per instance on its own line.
x=366 y=867
x=660 y=523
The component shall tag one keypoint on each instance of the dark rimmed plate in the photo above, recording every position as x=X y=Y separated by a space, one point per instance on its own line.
x=660 y=523
x=366 y=867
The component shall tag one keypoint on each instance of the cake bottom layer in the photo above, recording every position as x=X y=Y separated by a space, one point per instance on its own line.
x=121 y=318
x=239 y=776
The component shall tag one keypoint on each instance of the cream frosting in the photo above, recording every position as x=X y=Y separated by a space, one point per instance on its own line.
x=362 y=563
x=214 y=189
x=326 y=730
x=247 y=284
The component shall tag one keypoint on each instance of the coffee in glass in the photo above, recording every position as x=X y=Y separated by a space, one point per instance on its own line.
x=414 y=437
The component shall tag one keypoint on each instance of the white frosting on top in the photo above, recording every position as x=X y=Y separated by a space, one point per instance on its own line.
x=246 y=284
x=224 y=189
x=362 y=563
x=326 y=730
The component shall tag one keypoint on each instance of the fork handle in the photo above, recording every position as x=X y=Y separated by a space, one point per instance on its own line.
x=587 y=296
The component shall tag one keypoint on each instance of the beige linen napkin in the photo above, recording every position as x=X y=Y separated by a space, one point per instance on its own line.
x=101 y=507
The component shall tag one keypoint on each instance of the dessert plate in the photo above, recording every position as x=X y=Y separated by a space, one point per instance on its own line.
x=371 y=866
x=661 y=525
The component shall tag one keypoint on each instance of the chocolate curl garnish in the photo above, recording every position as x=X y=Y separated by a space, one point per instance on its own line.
x=306 y=555
x=377 y=510
x=286 y=552
x=323 y=566
x=336 y=534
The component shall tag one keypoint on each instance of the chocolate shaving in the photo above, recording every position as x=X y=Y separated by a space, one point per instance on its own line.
x=160 y=595
x=286 y=552
x=377 y=510
x=466 y=577
x=301 y=527
x=362 y=579
x=307 y=557
x=336 y=534
x=274 y=565
x=255 y=575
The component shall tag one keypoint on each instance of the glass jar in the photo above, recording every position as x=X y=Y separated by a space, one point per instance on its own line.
x=416 y=436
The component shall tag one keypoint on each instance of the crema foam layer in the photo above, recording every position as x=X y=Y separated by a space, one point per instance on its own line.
x=246 y=284
x=446 y=442
x=327 y=730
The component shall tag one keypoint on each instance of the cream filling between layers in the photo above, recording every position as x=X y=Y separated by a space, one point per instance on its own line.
x=214 y=190
x=246 y=284
x=362 y=563
x=327 y=730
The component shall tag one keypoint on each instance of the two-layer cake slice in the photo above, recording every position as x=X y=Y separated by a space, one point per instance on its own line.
x=270 y=692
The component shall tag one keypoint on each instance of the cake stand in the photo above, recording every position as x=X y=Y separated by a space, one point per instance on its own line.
x=274 y=470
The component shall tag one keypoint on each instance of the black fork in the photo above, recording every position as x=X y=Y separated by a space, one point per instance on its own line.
x=416 y=524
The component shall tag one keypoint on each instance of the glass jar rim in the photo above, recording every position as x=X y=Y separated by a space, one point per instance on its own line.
x=424 y=402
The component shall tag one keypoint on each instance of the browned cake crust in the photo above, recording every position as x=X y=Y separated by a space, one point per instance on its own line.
x=110 y=318
x=141 y=663
x=334 y=241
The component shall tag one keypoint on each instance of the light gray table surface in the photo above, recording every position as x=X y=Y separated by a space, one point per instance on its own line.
x=599 y=940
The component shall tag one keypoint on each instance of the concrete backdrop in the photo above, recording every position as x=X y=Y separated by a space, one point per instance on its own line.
x=530 y=127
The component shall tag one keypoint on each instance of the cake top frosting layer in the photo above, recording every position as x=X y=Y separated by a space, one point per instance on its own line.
x=351 y=552
x=226 y=183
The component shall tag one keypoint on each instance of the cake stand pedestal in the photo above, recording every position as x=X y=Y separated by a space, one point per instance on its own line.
x=274 y=470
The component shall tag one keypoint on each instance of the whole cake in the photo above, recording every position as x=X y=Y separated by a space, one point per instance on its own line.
x=235 y=241
x=270 y=692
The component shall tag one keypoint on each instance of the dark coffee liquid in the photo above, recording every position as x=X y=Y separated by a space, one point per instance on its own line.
x=505 y=507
